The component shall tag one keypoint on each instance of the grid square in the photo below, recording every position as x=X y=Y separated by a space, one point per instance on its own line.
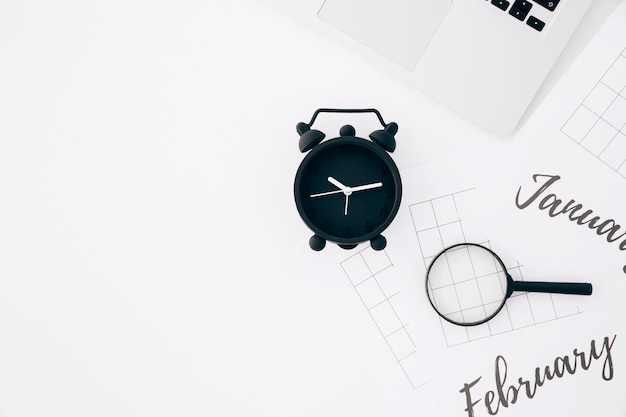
x=430 y=242
x=398 y=303
x=439 y=274
x=451 y=234
x=445 y=210
x=389 y=282
x=375 y=260
x=541 y=305
x=501 y=322
x=580 y=123
x=465 y=200
x=599 y=137
x=370 y=292
x=484 y=263
x=473 y=315
x=479 y=332
x=615 y=77
x=460 y=265
x=468 y=294
x=519 y=311
x=385 y=318
x=492 y=288
x=564 y=305
x=600 y=98
x=401 y=344
x=446 y=301
x=516 y=273
x=615 y=153
x=423 y=216
x=413 y=369
x=615 y=115
x=356 y=269
x=454 y=334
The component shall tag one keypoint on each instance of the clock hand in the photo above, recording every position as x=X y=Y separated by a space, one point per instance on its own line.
x=337 y=184
x=366 y=186
x=346 y=190
x=326 y=193
x=349 y=190
x=342 y=189
x=333 y=181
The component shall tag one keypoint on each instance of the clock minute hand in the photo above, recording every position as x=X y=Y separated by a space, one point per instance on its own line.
x=366 y=186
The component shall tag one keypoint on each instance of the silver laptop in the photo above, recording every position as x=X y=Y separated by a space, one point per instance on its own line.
x=485 y=59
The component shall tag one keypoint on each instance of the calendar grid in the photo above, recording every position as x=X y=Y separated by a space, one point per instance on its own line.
x=598 y=124
x=438 y=223
x=373 y=278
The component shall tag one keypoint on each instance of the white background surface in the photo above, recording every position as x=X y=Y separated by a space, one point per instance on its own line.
x=147 y=225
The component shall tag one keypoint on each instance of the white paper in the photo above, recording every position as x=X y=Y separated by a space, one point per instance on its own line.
x=542 y=355
x=557 y=200
x=442 y=206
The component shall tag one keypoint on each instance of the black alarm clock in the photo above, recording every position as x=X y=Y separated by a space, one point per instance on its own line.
x=347 y=189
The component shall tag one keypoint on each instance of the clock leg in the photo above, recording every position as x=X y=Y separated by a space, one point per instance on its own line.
x=378 y=243
x=342 y=246
x=317 y=243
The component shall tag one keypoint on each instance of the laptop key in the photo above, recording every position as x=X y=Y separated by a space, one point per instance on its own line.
x=518 y=13
x=535 y=23
x=523 y=5
x=548 y=4
x=501 y=4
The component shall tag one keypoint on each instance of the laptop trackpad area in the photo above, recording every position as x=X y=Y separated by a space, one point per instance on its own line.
x=397 y=29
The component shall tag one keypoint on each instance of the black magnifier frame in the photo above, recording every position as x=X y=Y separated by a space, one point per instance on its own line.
x=577 y=288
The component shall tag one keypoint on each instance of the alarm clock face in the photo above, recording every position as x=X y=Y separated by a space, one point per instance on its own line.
x=347 y=190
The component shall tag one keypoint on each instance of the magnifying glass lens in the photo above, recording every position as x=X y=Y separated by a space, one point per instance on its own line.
x=467 y=284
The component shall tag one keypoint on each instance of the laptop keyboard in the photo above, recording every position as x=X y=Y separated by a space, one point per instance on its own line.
x=535 y=13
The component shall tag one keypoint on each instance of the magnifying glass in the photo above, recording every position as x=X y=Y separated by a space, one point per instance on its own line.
x=468 y=284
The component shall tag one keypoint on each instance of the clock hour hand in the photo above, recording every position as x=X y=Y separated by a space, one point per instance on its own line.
x=337 y=184
x=342 y=189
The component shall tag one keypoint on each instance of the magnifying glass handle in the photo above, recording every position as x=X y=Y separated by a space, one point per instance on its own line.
x=579 y=288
